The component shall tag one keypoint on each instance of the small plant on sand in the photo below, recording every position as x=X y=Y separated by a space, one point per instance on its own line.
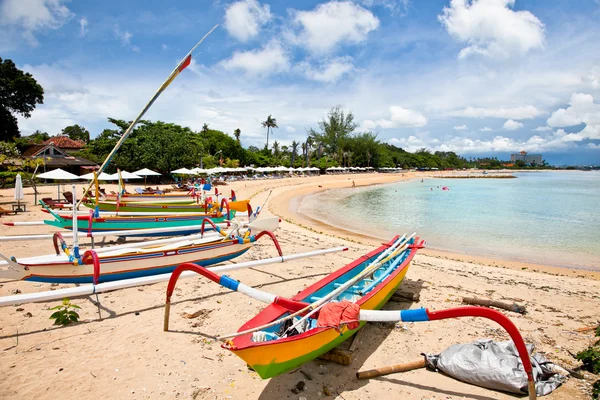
x=590 y=357
x=64 y=313
x=596 y=390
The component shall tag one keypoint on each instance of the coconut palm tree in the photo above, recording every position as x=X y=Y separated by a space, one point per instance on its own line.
x=309 y=143
x=276 y=151
x=205 y=130
x=303 y=153
x=270 y=124
x=237 y=134
x=294 y=152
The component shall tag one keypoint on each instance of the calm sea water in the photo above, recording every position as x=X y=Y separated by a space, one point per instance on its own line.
x=541 y=217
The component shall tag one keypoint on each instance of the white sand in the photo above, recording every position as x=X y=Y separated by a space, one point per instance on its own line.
x=127 y=355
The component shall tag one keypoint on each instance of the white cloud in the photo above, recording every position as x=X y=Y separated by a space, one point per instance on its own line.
x=512 y=125
x=330 y=71
x=331 y=24
x=593 y=78
x=486 y=129
x=542 y=129
x=125 y=38
x=491 y=28
x=581 y=110
x=395 y=7
x=244 y=19
x=83 y=23
x=290 y=129
x=524 y=112
x=164 y=46
x=462 y=145
x=399 y=118
x=272 y=58
x=460 y=128
x=23 y=19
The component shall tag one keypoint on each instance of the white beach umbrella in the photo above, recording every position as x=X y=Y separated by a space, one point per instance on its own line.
x=19 y=195
x=129 y=175
x=58 y=175
x=102 y=177
x=145 y=172
x=183 y=170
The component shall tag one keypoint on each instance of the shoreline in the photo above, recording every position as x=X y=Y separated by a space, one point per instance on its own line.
x=290 y=201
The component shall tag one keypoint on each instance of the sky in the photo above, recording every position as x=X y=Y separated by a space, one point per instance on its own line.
x=478 y=77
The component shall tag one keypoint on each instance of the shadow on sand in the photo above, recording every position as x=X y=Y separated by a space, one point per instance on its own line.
x=334 y=376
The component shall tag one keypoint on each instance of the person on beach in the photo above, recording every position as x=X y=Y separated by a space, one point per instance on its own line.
x=353 y=184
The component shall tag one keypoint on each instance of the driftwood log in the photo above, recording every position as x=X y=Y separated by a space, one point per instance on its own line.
x=514 y=307
x=372 y=373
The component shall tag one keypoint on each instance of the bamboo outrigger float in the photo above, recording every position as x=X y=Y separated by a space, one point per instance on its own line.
x=291 y=332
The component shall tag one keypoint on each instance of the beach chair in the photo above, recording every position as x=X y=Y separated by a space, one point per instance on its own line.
x=139 y=191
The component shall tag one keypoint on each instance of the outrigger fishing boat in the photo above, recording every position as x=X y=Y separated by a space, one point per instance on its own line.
x=189 y=223
x=290 y=332
x=136 y=259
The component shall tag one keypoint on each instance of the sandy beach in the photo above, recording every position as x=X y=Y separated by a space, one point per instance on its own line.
x=127 y=354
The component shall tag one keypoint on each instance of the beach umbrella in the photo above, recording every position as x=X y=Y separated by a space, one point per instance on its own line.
x=145 y=172
x=19 y=195
x=58 y=175
x=128 y=175
x=183 y=171
x=102 y=177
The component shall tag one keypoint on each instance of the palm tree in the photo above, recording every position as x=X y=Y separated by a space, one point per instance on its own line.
x=237 y=134
x=303 y=153
x=294 y=152
x=205 y=130
x=276 y=152
x=309 y=143
x=270 y=123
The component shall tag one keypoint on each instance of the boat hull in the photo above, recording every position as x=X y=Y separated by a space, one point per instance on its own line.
x=275 y=357
x=127 y=266
x=152 y=207
x=188 y=224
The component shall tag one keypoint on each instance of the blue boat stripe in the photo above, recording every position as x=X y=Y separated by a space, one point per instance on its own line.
x=229 y=283
x=418 y=315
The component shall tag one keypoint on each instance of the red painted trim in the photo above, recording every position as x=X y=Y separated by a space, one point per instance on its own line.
x=273 y=238
x=188 y=267
x=55 y=238
x=224 y=200
x=90 y=256
x=507 y=324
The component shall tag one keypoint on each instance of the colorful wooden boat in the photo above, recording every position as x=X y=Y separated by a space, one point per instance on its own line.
x=242 y=205
x=189 y=223
x=130 y=260
x=274 y=357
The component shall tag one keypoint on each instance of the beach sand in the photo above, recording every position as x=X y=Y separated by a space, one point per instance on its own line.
x=127 y=354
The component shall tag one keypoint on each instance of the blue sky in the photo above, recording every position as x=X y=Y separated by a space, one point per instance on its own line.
x=479 y=77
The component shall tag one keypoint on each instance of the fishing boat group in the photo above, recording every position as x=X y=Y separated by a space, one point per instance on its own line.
x=202 y=229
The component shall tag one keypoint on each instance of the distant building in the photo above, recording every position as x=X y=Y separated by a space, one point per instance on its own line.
x=529 y=159
x=58 y=153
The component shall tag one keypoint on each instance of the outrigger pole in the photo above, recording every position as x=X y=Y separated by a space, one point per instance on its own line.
x=180 y=67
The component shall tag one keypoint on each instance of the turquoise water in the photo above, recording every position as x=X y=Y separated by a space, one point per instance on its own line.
x=541 y=217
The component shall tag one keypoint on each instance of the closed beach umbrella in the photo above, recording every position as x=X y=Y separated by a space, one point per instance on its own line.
x=58 y=175
x=19 y=195
x=145 y=172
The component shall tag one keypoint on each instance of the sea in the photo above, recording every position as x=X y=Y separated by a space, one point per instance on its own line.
x=549 y=218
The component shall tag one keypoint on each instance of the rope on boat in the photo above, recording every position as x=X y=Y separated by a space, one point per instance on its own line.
x=398 y=246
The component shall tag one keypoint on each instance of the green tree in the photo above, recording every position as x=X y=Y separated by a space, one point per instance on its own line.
x=276 y=151
x=19 y=94
x=77 y=132
x=270 y=124
x=337 y=127
x=294 y=152
x=205 y=130
x=237 y=134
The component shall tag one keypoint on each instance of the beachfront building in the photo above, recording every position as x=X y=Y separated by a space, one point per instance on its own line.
x=58 y=153
x=529 y=159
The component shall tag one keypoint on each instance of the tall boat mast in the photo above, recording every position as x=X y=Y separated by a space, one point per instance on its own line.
x=180 y=67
